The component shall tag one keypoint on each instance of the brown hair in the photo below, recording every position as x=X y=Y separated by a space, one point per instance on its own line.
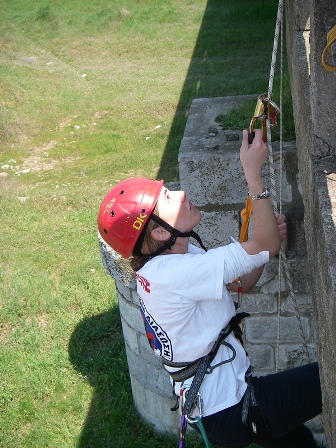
x=149 y=246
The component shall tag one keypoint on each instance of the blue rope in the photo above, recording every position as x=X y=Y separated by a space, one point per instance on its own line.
x=202 y=430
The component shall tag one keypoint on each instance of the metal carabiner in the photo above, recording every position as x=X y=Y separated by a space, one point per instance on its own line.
x=265 y=109
x=226 y=361
x=198 y=404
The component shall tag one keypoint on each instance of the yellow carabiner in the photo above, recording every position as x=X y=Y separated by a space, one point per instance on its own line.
x=331 y=38
x=265 y=109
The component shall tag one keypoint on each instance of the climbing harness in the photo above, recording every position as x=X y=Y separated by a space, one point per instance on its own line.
x=331 y=38
x=190 y=397
x=202 y=366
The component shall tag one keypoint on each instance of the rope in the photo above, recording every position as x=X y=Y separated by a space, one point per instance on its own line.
x=183 y=427
x=202 y=431
x=273 y=190
x=280 y=201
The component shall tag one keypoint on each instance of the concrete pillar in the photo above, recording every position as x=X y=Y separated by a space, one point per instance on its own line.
x=152 y=392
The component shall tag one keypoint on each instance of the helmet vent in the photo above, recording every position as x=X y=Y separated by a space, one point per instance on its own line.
x=143 y=210
x=112 y=213
x=105 y=231
x=122 y=192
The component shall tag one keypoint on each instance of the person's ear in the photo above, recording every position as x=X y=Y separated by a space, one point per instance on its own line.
x=160 y=234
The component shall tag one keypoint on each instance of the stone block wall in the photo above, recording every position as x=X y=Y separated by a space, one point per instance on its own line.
x=314 y=99
x=212 y=175
x=151 y=389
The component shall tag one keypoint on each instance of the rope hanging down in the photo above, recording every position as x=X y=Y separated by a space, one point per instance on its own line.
x=266 y=111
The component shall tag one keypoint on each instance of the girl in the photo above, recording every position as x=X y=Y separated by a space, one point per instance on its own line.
x=190 y=317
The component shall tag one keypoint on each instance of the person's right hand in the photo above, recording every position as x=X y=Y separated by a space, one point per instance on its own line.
x=252 y=157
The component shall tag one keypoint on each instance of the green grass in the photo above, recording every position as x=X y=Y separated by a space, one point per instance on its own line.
x=238 y=118
x=91 y=93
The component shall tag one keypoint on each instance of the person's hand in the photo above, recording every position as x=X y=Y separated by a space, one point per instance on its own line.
x=253 y=156
x=282 y=226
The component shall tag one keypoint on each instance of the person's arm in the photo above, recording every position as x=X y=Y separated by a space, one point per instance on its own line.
x=265 y=234
x=250 y=280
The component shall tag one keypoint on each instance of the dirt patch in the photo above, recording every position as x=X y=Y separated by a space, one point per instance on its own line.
x=39 y=159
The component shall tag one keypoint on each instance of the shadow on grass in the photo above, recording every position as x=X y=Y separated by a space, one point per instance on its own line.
x=96 y=350
x=196 y=84
x=226 y=61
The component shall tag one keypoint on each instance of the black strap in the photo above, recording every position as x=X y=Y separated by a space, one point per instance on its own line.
x=195 y=385
x=187 y=371
x=190 y=369
x=203 y=364
x=168 y=244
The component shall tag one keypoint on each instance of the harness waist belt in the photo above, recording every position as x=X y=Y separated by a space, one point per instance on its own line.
x=199 y=367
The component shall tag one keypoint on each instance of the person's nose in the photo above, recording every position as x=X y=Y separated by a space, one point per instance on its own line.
x=180 y=195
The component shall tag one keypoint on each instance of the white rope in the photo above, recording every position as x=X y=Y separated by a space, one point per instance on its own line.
x=277 y=357
x=283 y=258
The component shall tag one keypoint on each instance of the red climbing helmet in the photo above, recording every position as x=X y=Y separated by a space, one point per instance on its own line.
x=125 y=210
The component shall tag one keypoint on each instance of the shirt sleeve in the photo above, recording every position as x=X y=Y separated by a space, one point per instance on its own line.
x=202 y=275
x=238 y=262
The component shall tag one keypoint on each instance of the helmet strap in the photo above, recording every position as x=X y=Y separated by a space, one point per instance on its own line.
x=168 y=244
x=174 y=234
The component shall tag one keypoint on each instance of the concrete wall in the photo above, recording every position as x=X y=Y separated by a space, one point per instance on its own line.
x=151 y=388
x=314 y=99
x=211 y=173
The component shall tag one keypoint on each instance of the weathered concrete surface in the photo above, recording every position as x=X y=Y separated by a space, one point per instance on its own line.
x=314 y=95
x=151 y=389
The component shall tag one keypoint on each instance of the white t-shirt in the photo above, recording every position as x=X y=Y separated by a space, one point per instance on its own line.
x=185 y=303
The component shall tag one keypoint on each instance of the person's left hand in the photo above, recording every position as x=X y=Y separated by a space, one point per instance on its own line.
x=282 y=226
